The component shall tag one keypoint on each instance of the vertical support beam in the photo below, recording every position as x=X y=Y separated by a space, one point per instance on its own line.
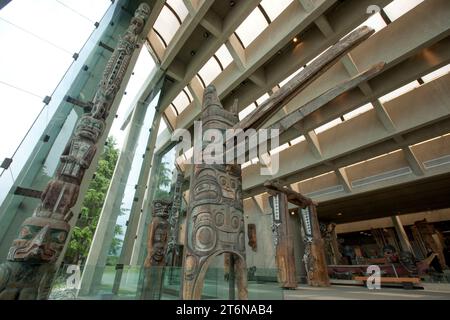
x=141 y=188
x=283 y=240
x=401 y=233
x=315 y=260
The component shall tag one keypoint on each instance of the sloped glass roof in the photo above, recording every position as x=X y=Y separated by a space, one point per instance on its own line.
x=54 y=30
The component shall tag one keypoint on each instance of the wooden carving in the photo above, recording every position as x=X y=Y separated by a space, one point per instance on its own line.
x=173 y=248
x=158 y=235
x=251 y=233
x=283 y=241
x=314 y=257
x=31 y=260
x=215 y=222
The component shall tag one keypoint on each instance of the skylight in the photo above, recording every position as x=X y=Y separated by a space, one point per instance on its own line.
x=252 y=27
x=358 y=111
x=179 y=7
x=436 y=74
x=400 y=91
x=210 y=71
x=247 y=110
x=166 y=25
x=182 y=100
x=397 y=8
x=328 y=125
x=274 y=8
x=224 y=56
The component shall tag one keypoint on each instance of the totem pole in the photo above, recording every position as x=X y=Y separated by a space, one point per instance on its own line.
x=314 y=257
x=283 y=237
x=215 y=221
x=173 y=249
x=158 y=235
x=29 y=271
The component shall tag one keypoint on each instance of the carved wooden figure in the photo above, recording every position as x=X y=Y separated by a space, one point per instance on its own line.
x=283 y=240
x=31 y=260
x=251 y=233
x=215 y=222
x=314 y=258
x=158 y=236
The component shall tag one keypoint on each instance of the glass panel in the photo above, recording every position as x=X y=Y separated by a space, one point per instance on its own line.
x=397 y=8
x=262 y=284
x=19 y=112
x=224 y=56
x=181 y=102
x=402 y=90
x=92 y=10
x=210 y=71
x=141 y=71
x=166 y=24
x=50 y=21
x=251 y=28
x=179 y=7
x=162 y=126
x=274 y=8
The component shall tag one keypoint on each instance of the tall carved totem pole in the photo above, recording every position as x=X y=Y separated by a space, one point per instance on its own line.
x=29 y=271
x=215 y=221
x=158 y=236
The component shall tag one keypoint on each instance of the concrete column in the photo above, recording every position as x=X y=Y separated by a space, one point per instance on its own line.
x=104 y=234
x=404 y=241
x=136 y=208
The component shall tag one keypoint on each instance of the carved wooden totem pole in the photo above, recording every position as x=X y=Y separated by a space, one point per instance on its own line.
x=283 y=240
x=215 y=222
x=28 y=273
x=158 y=236
x=314 y=258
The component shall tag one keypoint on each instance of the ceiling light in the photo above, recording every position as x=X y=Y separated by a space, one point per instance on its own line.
x=295 y=40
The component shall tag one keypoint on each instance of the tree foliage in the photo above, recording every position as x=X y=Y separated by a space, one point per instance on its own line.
x=83 y=232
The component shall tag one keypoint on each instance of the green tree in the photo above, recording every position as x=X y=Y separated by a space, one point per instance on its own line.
x=164 y=181
x=83 y=232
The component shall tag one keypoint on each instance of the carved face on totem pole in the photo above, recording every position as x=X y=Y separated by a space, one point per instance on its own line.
x=159 y=232
x=216 y=222
x=40 y=240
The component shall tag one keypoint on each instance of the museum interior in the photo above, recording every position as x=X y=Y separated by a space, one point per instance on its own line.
x=336 y=184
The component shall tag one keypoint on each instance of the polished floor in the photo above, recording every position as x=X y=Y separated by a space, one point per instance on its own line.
x=361 y=293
